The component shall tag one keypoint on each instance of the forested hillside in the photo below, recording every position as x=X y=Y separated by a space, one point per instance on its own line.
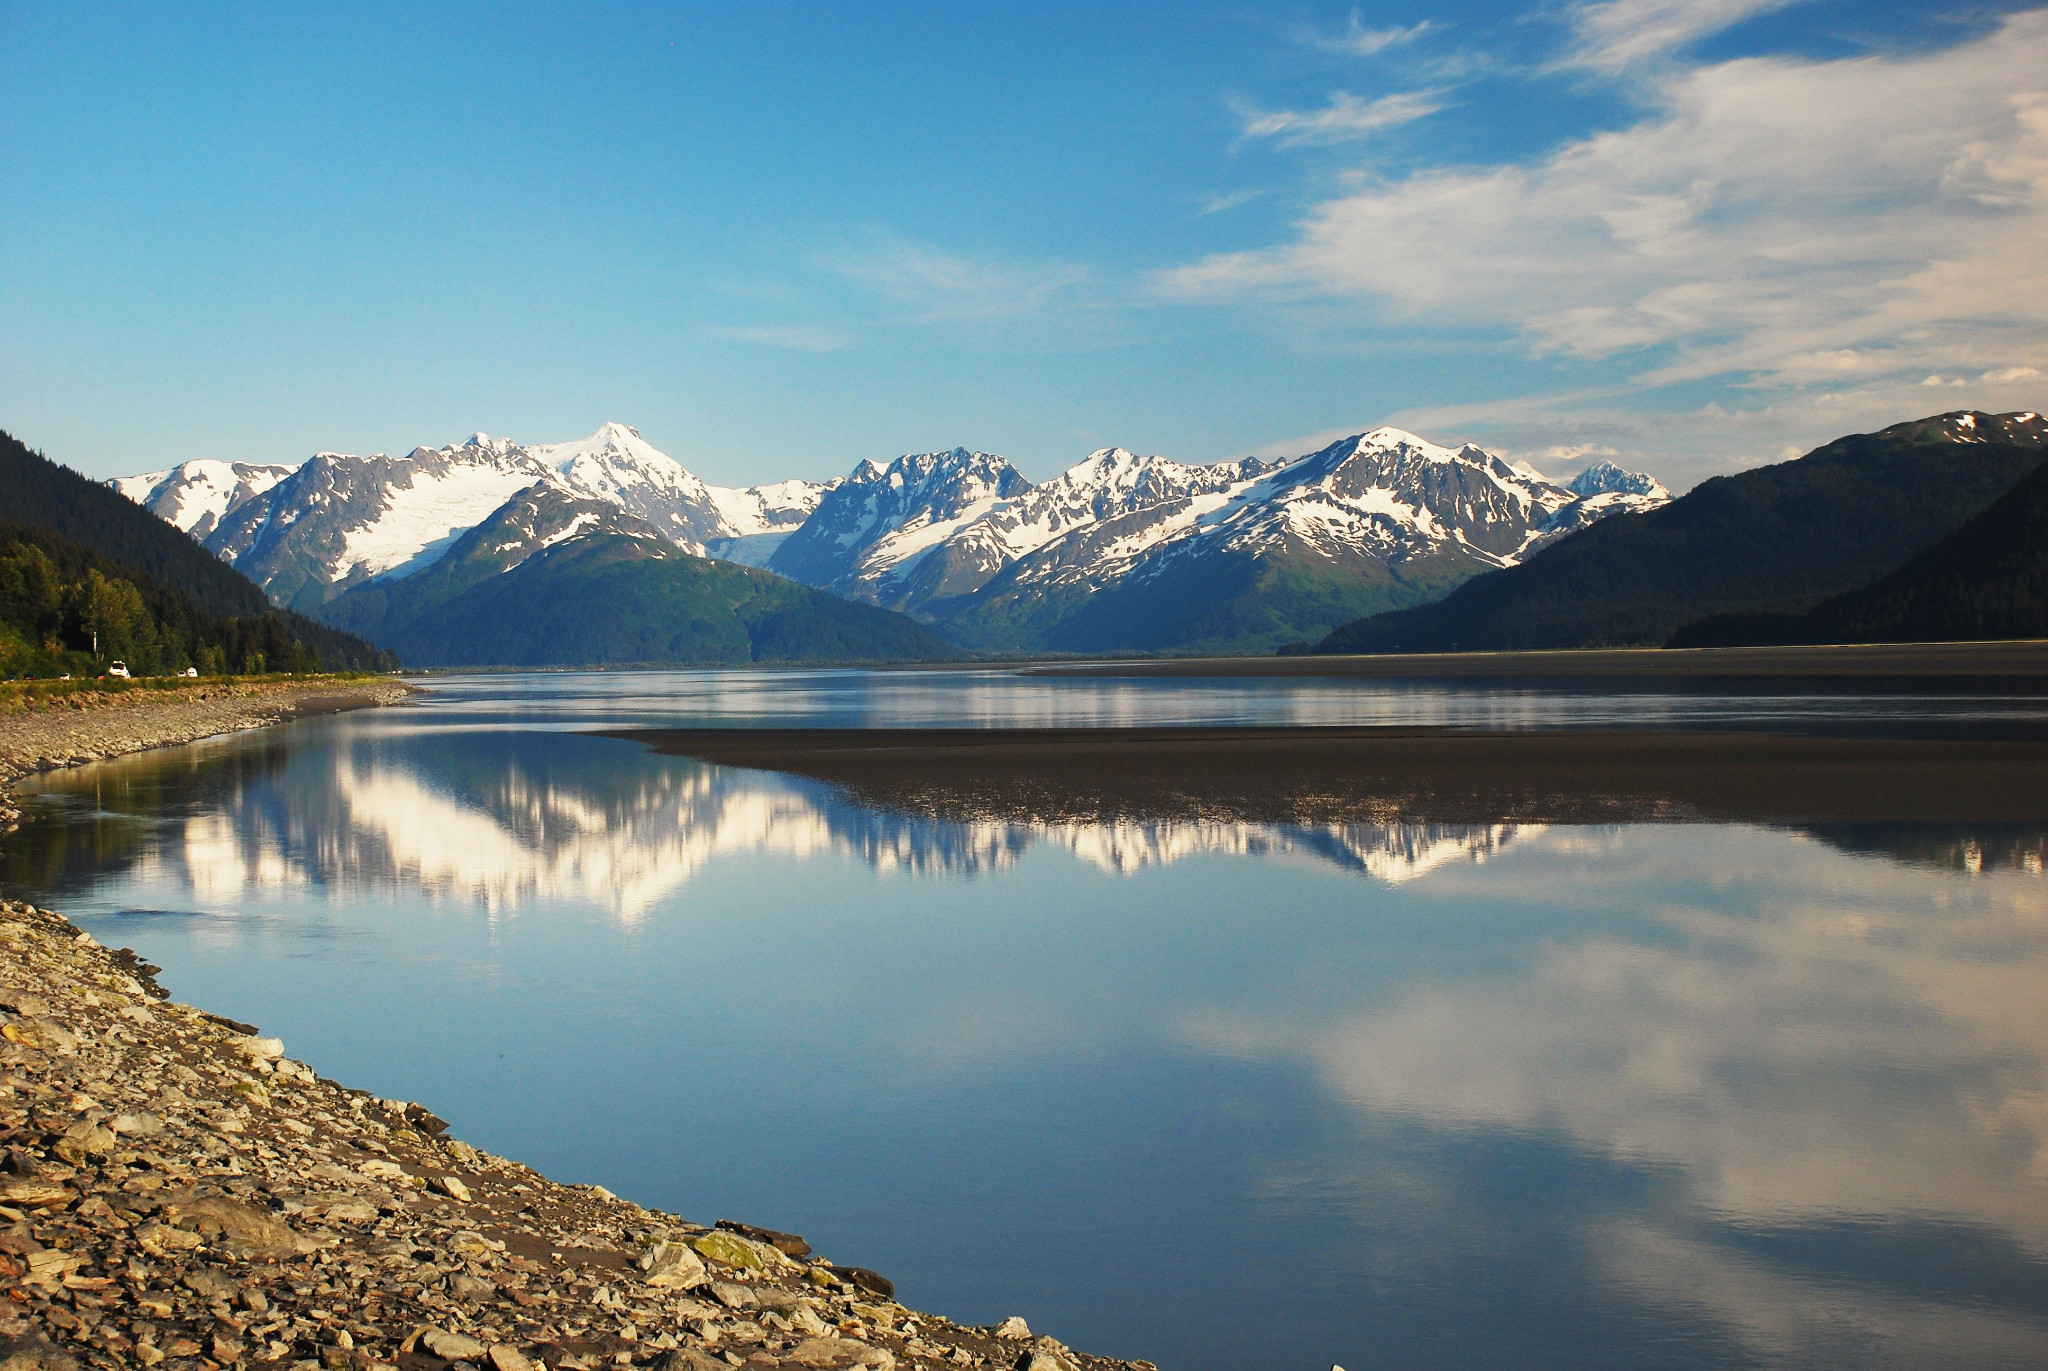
x=620 y=600
x=80 y=563
x=1987 y=580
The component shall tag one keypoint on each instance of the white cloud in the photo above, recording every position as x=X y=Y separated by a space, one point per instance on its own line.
x=1221 y=201
x=1346 y=118
x=2012 y=374
x=1616 y=34
x=1848 y=226
x=1356 y=40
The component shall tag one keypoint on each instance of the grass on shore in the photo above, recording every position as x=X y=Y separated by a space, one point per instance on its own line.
x=28 y=697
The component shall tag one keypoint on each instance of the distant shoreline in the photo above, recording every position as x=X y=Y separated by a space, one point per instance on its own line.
x=1881 y=660
x=2018 y=659
x=1308 y=776
x=93 y=726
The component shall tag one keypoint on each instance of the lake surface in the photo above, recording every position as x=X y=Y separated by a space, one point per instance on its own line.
x=1217 y=1095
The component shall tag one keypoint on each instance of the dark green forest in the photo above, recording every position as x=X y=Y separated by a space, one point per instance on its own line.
x=87 y=578
x=1987 y=580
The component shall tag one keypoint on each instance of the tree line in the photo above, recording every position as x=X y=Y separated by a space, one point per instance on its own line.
x=65 y=608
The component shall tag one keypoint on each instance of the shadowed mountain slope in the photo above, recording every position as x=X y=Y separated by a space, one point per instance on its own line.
x=1774 y=540
x=1987 y=580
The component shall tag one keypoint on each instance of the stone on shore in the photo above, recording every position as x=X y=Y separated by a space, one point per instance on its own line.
x=166 y=1202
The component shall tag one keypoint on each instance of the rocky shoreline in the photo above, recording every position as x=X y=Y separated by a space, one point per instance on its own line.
x=177 y=1193
x=91 y=726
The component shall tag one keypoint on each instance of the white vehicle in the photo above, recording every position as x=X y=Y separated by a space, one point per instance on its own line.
x=190 y=671
x=118 y=669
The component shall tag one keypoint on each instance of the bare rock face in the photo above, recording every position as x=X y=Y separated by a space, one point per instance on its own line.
x=177 y=1193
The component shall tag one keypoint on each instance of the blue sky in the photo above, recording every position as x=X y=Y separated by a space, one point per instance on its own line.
x=781 y=238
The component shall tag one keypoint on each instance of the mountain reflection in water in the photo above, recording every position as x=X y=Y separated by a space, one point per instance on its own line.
x=1648 y=1094
x=508 y=819
x=511 y=819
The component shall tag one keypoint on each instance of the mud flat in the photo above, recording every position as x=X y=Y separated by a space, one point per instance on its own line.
x=1391 y=775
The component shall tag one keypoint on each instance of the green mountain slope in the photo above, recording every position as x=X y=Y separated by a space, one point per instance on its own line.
x=1775 y=540
x=1987 y=580
x=146 y=551
x=1224 y=604
x=619 y=599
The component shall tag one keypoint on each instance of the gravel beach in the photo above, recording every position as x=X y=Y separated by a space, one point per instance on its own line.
x=177 y=1192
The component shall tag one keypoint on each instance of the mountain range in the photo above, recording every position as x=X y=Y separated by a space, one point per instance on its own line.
x=1120 y=552
x=1740 y=553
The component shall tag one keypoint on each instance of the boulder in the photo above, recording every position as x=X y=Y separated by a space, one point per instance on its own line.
x=788 y=1244
x=238 y=1226
x=838 y=1354
x=673 y=1266
x=451 y=1346
x=730 y=1249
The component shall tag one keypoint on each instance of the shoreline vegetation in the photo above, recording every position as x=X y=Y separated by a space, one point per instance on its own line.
x=176 y=1193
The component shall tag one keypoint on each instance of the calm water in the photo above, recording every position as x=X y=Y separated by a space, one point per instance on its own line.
x=1221 y=1096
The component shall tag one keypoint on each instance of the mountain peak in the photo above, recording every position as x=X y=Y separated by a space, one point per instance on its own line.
x=1605 y=478
x=1387 y=436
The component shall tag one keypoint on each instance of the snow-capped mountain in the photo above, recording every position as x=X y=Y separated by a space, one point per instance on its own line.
x=198 y=494
x=962 y=539
x=1091 y=522
x=617 y=464
x=340 y=519
x=1119 y=551
x=1605 y=478
x=308 y=533
x=881 y=521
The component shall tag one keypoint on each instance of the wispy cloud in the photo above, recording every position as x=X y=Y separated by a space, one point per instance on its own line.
x=1221 y=201
x=1852 y=224
x=933 y=286
x=1613 y=35
x=1346 y=118
x=795 y=337
x=1356 y=40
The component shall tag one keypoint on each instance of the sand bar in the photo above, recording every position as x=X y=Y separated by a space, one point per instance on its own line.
x=1387 y=775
